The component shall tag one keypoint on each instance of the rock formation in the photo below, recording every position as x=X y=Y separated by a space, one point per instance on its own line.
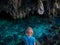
x=20 y=8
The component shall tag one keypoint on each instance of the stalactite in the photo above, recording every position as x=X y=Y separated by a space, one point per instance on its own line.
x=40 y=7
x=21 y=8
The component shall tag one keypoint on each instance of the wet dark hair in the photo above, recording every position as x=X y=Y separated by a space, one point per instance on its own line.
x=29 y=28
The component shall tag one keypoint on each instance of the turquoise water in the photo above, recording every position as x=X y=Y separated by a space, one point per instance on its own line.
x=11 y=32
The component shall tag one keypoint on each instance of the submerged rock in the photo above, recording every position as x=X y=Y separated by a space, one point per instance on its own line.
x=8 y=39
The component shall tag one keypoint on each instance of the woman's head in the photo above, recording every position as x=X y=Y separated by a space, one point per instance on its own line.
x=29 y=31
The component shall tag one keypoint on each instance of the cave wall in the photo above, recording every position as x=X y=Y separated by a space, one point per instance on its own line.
x=19 y=8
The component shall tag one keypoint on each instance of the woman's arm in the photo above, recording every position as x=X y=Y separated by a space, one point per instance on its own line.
x=35 y=43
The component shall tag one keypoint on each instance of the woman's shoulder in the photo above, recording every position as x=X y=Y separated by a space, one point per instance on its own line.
x=23 y=37
x=33 y=38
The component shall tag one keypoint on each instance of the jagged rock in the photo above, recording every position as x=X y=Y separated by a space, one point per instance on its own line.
x=40 y=7
x=20 y=8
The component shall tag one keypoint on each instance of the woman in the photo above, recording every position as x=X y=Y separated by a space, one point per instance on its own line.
x=28 y=39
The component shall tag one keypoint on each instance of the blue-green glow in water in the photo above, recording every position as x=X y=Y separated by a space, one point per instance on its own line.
x=11 y=32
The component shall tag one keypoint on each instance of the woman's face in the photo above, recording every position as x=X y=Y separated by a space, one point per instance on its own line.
x=29 y=32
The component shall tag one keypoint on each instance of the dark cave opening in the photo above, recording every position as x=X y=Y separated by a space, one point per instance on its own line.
x=5 y=15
